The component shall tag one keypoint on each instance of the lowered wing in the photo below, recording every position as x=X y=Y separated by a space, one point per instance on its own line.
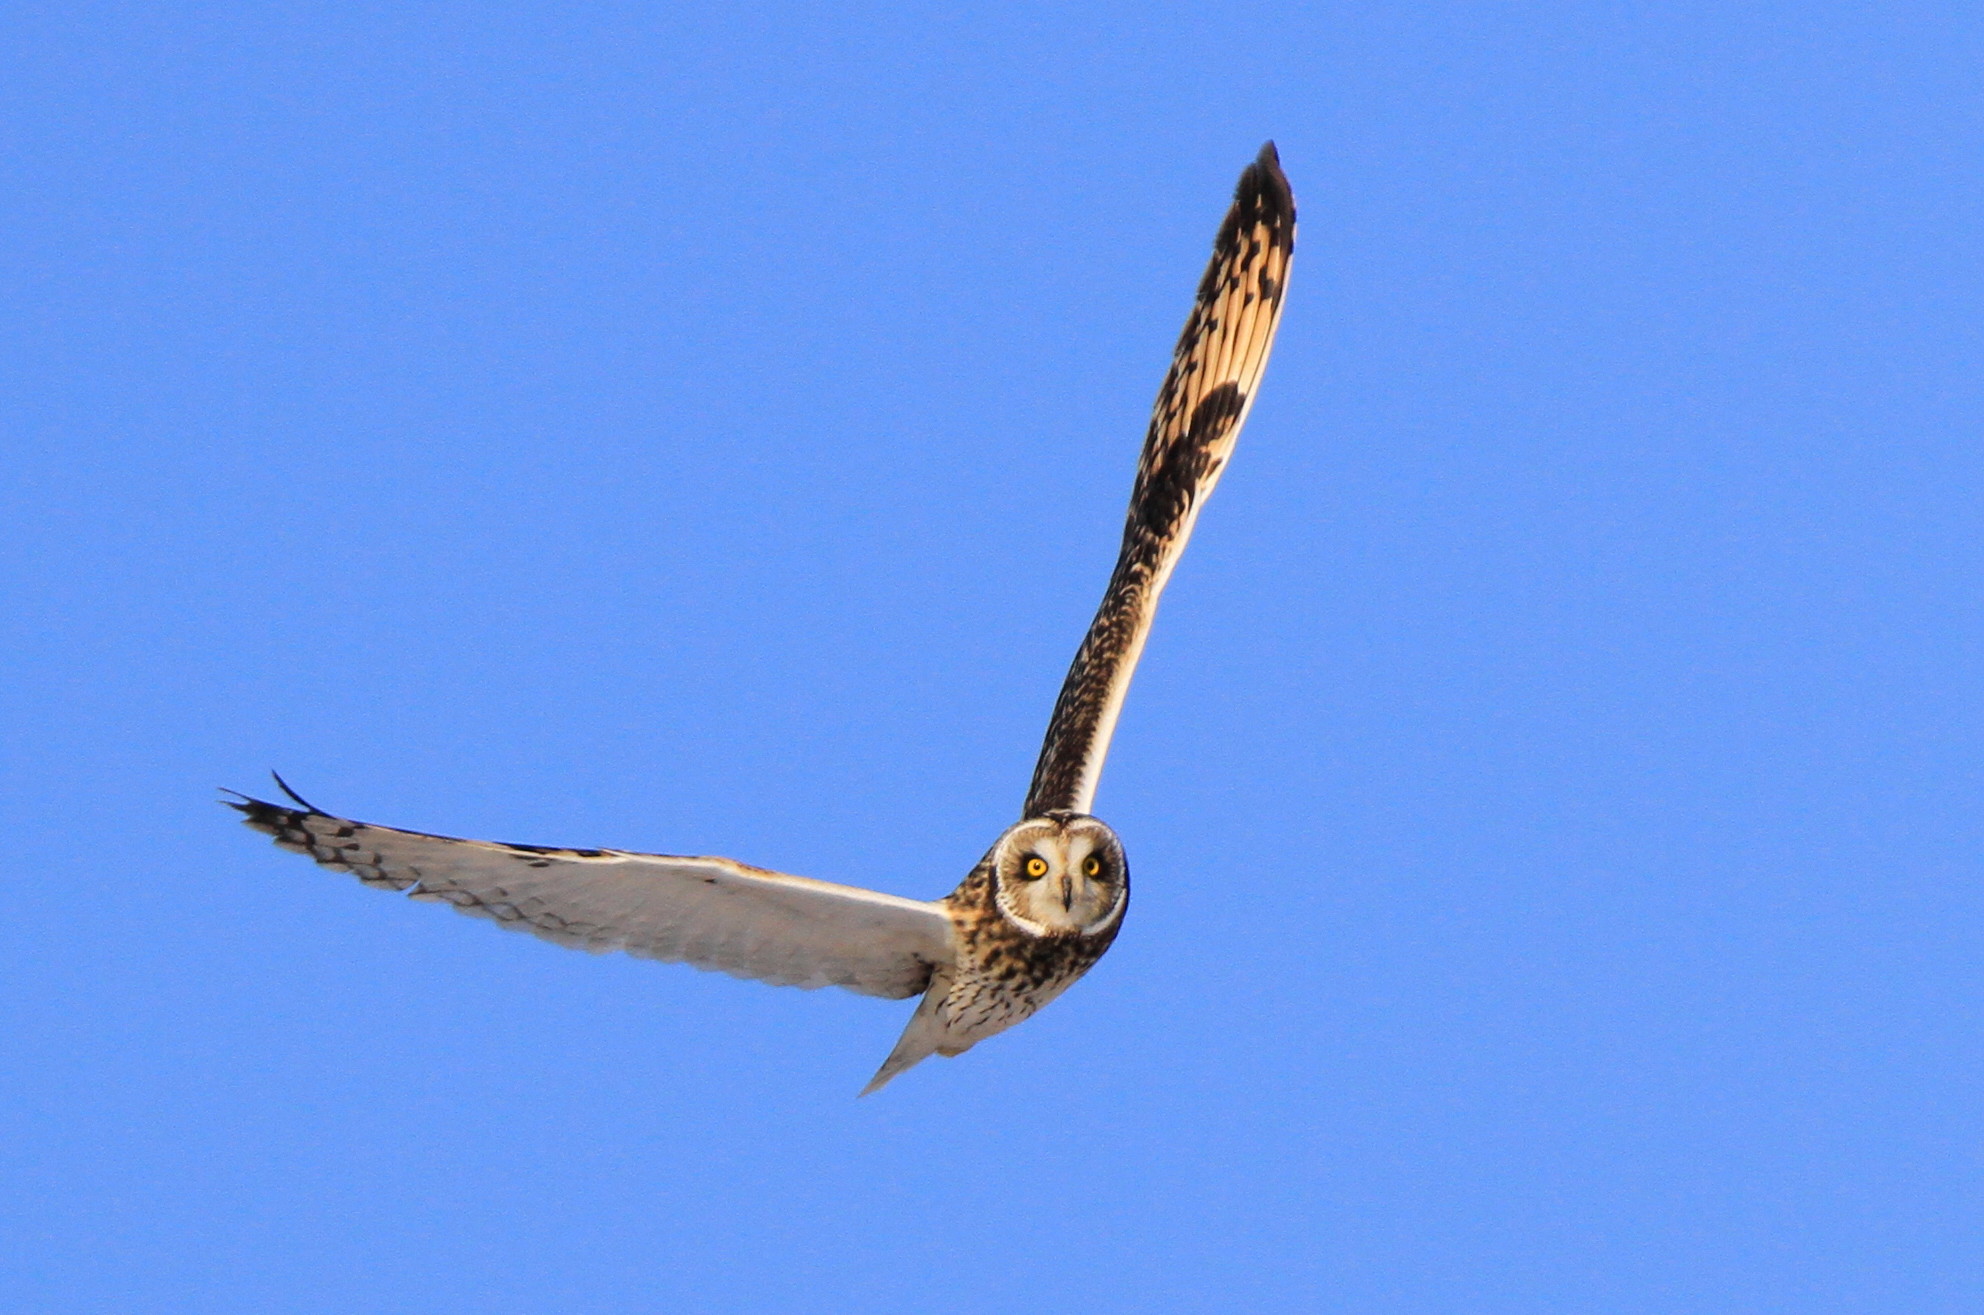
x=713 y=913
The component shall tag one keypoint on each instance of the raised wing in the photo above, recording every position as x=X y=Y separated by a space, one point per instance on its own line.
x=713 y=913
x=1214 y=371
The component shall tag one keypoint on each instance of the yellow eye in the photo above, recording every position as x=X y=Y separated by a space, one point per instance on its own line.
x=1093 y=866
x=1036 y=866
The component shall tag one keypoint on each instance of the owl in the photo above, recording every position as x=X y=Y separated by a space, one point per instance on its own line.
x=1046 y=900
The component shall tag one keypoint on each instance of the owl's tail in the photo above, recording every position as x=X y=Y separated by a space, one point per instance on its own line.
x=920 y=1040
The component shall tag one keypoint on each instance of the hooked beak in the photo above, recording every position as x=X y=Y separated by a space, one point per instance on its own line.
x=1068 y=893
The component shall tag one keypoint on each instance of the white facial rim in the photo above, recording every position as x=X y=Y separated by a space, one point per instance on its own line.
x=1024 y=923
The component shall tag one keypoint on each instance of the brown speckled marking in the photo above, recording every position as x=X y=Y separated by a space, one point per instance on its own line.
x=1005 y=974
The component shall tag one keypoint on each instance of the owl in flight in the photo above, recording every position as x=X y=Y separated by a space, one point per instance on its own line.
x=1046 y=900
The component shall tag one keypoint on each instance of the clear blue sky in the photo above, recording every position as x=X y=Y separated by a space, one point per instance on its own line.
x=1553 y=786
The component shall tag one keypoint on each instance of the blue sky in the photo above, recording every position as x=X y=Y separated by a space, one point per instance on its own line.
x=1553 y=785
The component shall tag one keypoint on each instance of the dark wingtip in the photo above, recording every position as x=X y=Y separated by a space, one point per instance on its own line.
x=1264 y=194
x=263 y=816
x=305 y=804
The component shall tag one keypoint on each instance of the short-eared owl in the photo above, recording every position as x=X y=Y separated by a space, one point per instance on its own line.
x=1048 y=897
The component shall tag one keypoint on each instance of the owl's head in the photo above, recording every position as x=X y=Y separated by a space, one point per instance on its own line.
x=1061 y=874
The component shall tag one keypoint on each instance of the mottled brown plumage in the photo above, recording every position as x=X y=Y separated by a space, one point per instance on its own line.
x=1014 y=951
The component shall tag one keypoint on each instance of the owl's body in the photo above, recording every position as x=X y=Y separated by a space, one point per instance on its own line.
x=1048 y=898
x=1012 y=953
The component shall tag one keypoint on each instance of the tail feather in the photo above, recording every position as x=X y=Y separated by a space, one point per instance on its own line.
x=919 y=1039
